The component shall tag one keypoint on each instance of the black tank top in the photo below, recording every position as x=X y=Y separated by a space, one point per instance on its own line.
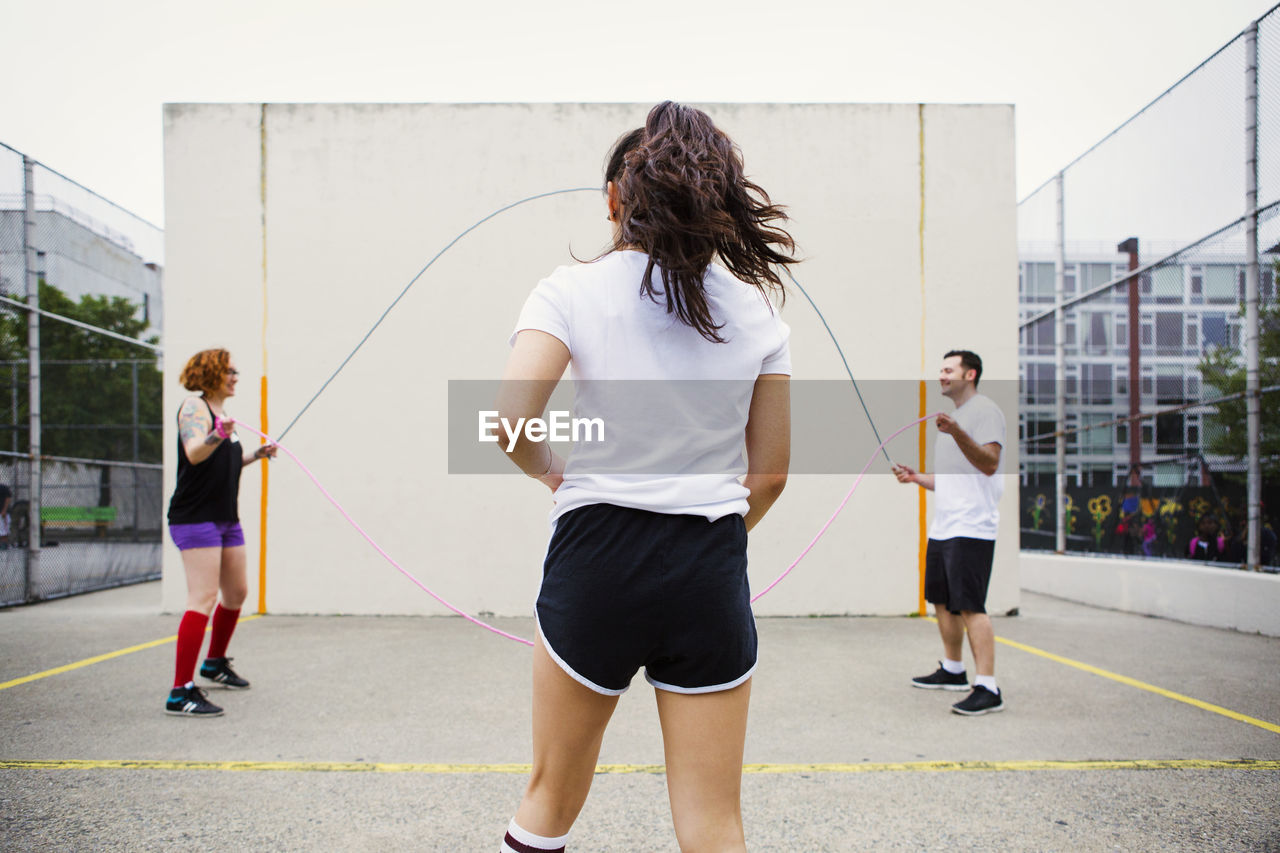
x=210 y=490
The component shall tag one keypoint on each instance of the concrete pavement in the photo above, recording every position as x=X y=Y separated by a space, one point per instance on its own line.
x=400 y=733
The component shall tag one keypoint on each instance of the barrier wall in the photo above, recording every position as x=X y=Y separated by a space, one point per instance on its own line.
x=1201 y=595
x=291 y=228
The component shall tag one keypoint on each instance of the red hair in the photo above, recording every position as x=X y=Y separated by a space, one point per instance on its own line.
x=206 y=371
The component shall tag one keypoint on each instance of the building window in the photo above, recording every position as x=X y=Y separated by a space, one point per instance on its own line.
x=1038 y=338
x=1219 y=285
x=1168 y=284
x=1037 y=283
x=1169 y=385
x=1098 y=328
x=1097 y=390
x=1095 y=438
x=1038 y=387
x=1169 y=434
x=1168 y=333
x=1038 y=427
x=1098 y=476
x=1214 y=330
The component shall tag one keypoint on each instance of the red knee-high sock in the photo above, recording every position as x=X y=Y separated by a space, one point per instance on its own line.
x=190 y=639
x=224 y=624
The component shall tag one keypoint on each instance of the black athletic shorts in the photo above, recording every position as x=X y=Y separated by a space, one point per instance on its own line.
x=957 y=572
x=628 y=588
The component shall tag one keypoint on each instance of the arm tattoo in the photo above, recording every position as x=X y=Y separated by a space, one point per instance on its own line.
x=193 y=421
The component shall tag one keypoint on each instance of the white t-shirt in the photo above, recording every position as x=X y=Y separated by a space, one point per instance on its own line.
x=966 y=500
x=674 y=405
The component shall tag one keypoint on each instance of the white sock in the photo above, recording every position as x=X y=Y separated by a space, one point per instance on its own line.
x=529 y=843
x=987 y=681
x=955 y=667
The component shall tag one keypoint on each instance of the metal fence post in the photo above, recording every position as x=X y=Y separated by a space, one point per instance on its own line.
x=134 y=471
x=33 y=371
x=1060 y=374
x=1253 y=402
x=13 y=404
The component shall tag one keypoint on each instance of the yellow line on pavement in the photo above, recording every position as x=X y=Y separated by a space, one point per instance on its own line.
x=1141 y=685
x=99 y=659
x=619 y=769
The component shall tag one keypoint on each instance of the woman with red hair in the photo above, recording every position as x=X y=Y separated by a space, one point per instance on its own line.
x=205 y=525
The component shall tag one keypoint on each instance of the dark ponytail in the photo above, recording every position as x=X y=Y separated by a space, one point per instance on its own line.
x=685 y=200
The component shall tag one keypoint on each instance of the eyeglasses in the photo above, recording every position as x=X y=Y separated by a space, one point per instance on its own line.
x=233 y=372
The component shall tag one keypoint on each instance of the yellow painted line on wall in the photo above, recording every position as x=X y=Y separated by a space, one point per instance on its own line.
x=922 y=506
x=652 y=769
x=100 y=658
x=262 y=413
x=1133 y=682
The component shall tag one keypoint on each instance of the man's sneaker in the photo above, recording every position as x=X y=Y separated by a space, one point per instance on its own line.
x=190 y=702
x=219 y=671
x=942 y=680
x=980 y=701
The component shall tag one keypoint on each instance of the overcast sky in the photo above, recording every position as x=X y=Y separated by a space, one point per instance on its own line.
x=85 y=80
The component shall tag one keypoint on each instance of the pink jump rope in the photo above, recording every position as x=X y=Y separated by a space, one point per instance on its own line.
x=219 y=427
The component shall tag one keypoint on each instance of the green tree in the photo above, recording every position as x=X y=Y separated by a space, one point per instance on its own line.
x=86 y=409
x=1223 y=372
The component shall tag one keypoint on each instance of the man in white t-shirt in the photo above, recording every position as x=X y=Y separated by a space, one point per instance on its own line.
x=968 y=484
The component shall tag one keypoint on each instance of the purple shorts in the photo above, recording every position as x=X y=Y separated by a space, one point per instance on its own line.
x=207 y=534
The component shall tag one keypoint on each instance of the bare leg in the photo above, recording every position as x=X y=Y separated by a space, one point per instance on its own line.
x=232 y=581
x=982 y=639
x=703 y=736
x=568 y=727
x=951 y=627
x=202 y=567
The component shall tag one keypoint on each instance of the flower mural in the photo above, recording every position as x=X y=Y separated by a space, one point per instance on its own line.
x=1037 y=511
x=1099 y=509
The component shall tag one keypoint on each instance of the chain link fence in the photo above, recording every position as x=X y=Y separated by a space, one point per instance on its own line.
x=1155 y=463
x=81 y=467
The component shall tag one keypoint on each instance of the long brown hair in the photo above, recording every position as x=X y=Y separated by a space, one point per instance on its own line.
x=685 y=199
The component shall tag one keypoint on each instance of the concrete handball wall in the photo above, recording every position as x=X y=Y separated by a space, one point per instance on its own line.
x=291 y=228
x=1217 y=597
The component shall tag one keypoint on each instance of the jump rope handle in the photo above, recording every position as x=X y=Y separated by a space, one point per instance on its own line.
x=221 y=426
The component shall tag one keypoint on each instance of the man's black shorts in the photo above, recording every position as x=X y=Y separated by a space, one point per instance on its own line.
x=957 y=572
x=628 y=588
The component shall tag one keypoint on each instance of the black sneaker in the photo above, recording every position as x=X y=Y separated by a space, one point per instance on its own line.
x=190 y=702
x=219 y=671
x=980 y=701
x=942 y=680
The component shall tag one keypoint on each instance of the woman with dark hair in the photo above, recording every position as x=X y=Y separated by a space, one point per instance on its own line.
x=646 y=567
x=204 y=522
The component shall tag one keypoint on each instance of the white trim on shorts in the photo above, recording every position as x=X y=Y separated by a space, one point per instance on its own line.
x=714 y=688
x=576 y=676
